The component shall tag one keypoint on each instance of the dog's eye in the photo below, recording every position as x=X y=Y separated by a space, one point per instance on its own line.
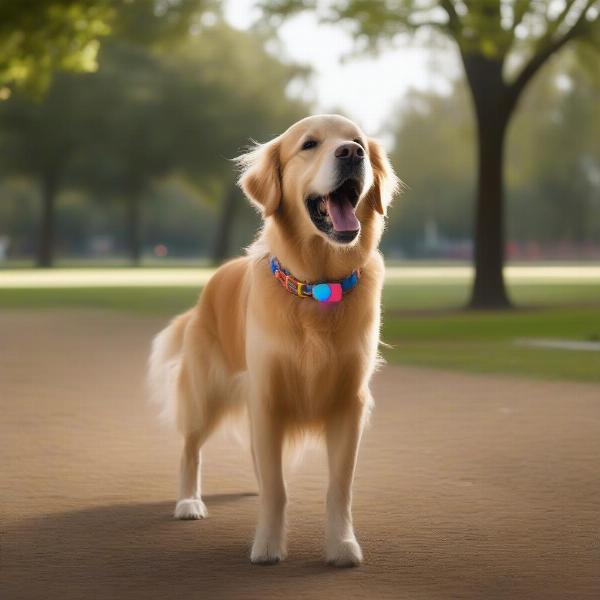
x=308 y=144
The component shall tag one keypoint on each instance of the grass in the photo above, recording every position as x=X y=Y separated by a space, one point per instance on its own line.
x=485 y=342
x=142 y=300
x=423 y=321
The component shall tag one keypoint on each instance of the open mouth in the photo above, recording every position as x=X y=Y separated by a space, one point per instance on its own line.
x=334 y=214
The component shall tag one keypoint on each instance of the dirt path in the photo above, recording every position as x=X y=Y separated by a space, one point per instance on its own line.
x=468 y=486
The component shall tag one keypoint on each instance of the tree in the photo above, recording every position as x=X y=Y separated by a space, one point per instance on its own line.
x=187 y=111
x=245 y=98
x=490 y=36
x=554 y=163
x=38 y=37
x=145 y=115
x=131 y=139
x=39 y=140
x=42 y=36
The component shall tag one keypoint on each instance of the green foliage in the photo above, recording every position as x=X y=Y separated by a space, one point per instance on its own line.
x=491 y=29
x=147 y=114
x=554 y=156
x=242 y=90
x=39 y=37
x=161 y=23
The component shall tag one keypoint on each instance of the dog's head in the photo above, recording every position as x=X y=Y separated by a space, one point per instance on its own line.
x=322 y=177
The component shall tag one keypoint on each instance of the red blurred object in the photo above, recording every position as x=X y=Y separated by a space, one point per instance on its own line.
x=161 y=250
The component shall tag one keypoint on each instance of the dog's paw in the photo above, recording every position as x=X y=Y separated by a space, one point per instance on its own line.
x=266 y=553
x=190 y=508
x=344 y=553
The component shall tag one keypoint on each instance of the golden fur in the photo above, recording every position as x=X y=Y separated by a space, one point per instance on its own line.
x=294 y=364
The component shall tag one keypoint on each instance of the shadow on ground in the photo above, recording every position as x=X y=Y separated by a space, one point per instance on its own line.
x=139 y=550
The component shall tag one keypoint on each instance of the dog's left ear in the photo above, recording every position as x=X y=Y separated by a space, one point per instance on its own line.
x=261 y=176
x=385 y=182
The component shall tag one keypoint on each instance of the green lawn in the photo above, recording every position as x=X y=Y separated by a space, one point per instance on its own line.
x=485 y=342
x=423 y=322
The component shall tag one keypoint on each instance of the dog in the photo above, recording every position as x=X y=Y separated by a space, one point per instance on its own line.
x=289 y=333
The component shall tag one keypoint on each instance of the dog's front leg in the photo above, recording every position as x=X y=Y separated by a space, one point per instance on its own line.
x=343 y=438
x=267 y=446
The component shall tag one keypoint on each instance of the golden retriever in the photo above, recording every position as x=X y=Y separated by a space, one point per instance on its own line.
x=260 y=341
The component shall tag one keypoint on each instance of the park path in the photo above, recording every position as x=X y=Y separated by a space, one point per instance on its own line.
x=467 y=487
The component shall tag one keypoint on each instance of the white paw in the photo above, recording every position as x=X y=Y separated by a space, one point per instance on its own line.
x=190 y=508
x=266 y=552
x=344 y=553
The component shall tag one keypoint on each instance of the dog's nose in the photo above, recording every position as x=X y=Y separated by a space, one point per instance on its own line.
x=350 y=152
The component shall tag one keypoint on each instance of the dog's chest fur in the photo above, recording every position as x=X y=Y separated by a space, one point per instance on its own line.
x=309 y=358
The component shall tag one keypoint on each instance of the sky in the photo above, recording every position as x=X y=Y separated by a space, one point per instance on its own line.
x=367 y=89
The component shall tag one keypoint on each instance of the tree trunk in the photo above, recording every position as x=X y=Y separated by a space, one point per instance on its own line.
x=489 y=290
x=492 y=112
x=49 y=188
x=222 y=241
x=134 y=225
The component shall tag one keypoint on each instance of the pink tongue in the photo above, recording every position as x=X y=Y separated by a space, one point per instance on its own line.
x=342 y=214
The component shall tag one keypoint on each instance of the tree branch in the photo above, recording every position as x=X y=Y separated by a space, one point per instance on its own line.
x=519 y=11
x=553 y=26
x=543 y=54
x=443 y=27
x=454 y=23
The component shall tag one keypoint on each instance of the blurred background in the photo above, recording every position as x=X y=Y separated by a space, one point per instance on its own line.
x=118 y=121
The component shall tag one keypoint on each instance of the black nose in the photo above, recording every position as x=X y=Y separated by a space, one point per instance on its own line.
x=351 y=152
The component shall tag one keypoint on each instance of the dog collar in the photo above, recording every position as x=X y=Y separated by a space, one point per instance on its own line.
x=326 y=292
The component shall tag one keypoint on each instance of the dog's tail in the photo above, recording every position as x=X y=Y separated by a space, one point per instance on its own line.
x=164 y=366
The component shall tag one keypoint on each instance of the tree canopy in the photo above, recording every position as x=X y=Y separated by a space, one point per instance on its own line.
x=39 y=37
x=148 y=114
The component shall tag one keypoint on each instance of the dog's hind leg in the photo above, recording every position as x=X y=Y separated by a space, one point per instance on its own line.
x=206 y=395
x=196 y=419
x=189 y=504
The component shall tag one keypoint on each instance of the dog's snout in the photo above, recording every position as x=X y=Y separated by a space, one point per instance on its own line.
x=350 y=152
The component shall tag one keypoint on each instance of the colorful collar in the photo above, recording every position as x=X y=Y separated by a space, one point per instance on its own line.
x=326 y=292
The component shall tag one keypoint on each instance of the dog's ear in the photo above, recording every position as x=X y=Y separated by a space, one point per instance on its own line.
x=385 y=182
x=260 y=177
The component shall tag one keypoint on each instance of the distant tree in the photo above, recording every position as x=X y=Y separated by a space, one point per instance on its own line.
x=491 y=35
x=186 y=111
x=130 y=140
x=42 y=36
x=144 y=115
x=433 y=145
x=38 y=140
x=245 y=98
x=552 y=165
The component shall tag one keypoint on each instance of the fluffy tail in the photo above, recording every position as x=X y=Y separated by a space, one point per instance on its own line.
x=164 y=366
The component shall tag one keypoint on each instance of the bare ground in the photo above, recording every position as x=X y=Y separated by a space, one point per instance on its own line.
x=467 y=486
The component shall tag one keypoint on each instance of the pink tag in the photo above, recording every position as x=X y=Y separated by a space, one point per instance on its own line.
x=336 y=293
